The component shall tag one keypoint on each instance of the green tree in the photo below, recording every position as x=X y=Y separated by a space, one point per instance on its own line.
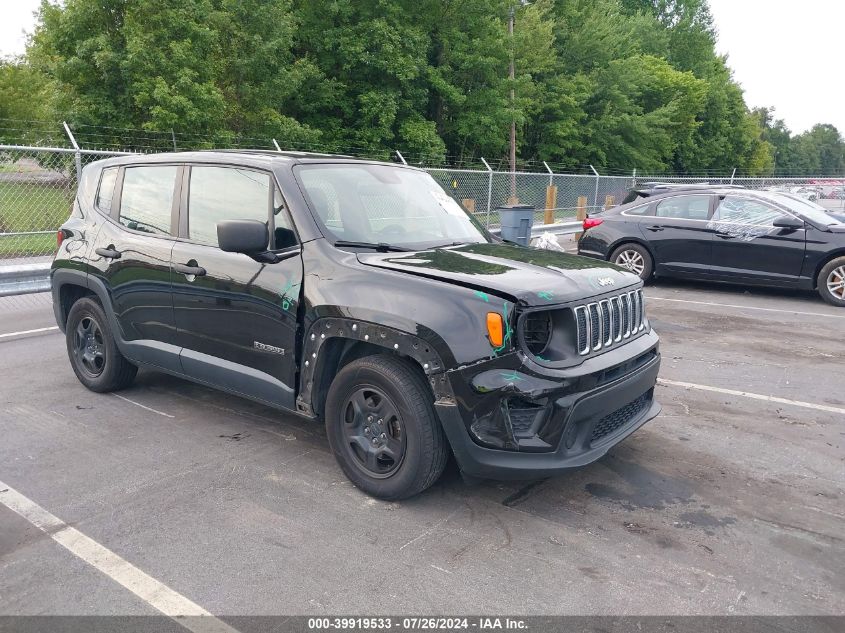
x=25 y=94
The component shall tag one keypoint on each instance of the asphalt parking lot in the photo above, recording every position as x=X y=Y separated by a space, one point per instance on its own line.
x=726 y=504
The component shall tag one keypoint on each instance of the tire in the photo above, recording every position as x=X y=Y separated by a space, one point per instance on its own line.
x=831 y=282
x=635 y=258
x=93 y=354
x=382 y=428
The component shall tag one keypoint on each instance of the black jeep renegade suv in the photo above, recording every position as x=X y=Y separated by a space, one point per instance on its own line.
x=358 y=294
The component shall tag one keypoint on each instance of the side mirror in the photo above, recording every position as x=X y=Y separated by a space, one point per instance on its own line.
x=788 y=222
x=249 y=237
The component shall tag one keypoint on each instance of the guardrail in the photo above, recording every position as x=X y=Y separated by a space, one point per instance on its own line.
x=559 y=228
x=22 y=279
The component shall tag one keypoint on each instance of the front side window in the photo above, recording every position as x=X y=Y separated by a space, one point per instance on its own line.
x=814 y=212
x=147 y=198
x=737 y=210
x=385 y=204
x=106 y=191
x=684 y=208
x=225 y=193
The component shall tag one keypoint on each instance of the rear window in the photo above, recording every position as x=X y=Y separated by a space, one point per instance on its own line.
x=106 y=190
x=684 y=208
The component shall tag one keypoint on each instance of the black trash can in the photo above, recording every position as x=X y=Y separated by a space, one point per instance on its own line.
x=516 y=221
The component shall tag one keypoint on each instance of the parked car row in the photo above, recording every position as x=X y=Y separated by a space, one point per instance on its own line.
x=360 y=295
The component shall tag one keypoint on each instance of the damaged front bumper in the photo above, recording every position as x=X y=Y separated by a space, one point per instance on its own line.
x=513 y=419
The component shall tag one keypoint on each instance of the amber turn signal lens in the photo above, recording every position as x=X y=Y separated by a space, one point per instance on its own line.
x=495 y=329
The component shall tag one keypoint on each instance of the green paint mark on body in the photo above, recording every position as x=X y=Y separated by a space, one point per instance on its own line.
x=286 y=300
x=546 y=295
x=482 y=295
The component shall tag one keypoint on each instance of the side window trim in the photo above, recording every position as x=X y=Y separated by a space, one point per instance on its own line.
x=117 y=196
x=274 y=186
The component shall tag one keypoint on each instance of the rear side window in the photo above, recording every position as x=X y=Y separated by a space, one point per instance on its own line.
x=225 y=193
x=147 y=199
x=684 y=208
x=640 y=210
x=106 y=190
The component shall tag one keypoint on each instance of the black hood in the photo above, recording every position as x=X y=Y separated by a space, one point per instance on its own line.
x=531 y=276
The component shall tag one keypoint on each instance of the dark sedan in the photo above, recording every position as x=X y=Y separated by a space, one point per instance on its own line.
x=730 y=235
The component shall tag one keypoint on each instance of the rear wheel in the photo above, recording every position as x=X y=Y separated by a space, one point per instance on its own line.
x=93 y=354
x=635 y=258
x=382 y=428
x=831 y=282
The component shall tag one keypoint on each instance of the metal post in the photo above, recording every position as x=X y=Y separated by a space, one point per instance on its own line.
x=551 y=173
x=402 y=158
x=173 y=136
x=77 y=154
x=278 y=149
x=489 y=188
x=732 y=175
x=511 y=76
x=634 y=178
x=596 y=195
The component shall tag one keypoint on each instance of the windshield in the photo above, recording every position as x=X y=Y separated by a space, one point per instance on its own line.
x=810 y=210
x=385 y=204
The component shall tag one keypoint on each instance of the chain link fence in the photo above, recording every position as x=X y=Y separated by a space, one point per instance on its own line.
x=38 y=184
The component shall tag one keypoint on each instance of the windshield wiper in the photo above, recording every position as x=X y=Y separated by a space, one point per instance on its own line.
x=381 y=247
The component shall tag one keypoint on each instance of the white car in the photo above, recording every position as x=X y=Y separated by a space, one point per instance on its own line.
x=806 y=193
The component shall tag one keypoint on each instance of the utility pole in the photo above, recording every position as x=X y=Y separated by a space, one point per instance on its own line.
x=512 y=77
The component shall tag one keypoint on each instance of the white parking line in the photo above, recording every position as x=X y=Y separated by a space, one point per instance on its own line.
x=154 y=593
x=35 y=331
x=732 y=305
x=747 y=307
x=143 y=406
x=755 y=396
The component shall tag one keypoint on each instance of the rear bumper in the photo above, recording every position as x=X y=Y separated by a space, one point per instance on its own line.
x=590 y=423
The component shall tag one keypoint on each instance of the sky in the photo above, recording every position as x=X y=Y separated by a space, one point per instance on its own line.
x=788 y=55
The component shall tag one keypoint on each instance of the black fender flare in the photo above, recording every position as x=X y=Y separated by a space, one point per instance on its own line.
x=327 y=329
x=66 y=276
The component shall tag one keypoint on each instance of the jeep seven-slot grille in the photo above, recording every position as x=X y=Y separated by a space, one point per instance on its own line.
x=604 y=323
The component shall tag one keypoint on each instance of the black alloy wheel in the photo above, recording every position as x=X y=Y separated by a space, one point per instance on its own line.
x=89 y=346
x=373 y=431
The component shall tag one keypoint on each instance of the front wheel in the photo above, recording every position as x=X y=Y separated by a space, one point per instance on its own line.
x=635 y=258
x=831 y=282
x=382 y=428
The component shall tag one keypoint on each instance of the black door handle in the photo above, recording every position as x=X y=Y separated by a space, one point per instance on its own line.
x=188 y=269
x=654 y=227
x=108 y=253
